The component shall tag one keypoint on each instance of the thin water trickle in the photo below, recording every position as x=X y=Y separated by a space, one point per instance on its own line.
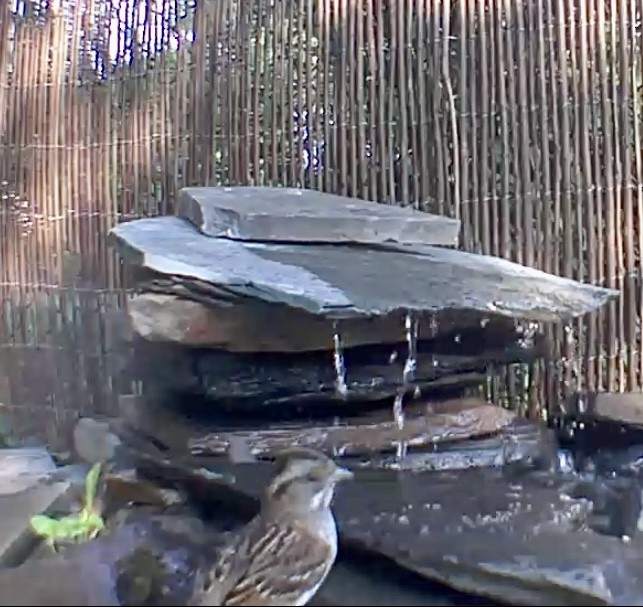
x=408 y=376
x=411 y=339
x=338 y=360
x=398 y=416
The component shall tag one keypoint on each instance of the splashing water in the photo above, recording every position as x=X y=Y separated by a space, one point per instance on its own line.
x=408 y=376
x=338 y=360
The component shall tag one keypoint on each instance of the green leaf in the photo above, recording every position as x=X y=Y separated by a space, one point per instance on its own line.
x=43 y=525
x=91 y=485
x=84 y=525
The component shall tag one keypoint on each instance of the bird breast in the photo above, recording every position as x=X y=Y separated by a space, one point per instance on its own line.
x=324 y=522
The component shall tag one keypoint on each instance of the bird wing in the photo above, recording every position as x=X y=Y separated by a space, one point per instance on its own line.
x=230 y=567
x=282 y=561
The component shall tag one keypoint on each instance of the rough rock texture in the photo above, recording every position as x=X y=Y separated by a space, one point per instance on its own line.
x=446 y=422
x=344 y=281
x=57 y=582
x=26 y=489
x=514 y=536
x=621 y=407
x=294 y=215
x=93 y=441
x=22 y=468
x=449 y=362
x=171 y=312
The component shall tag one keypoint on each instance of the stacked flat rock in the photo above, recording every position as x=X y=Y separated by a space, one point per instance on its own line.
x=266 y=270
x=286 y=247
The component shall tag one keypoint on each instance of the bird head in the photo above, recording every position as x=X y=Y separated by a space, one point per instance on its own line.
x=305 y=480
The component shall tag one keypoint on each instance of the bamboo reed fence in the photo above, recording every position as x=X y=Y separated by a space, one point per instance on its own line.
x=521 y=118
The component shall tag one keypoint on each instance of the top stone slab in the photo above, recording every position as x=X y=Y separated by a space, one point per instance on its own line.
x=270 y=214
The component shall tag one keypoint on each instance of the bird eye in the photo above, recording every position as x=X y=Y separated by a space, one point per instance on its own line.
x=315 y=475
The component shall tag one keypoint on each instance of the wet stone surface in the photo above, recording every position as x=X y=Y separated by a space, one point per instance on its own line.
x=507 y=535
x=450 y=423
x=451 y=360
x=511 y=533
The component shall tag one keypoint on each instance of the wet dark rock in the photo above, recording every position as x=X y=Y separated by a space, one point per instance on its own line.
x=622 y=408
x=450 y=361
x=601 y=444
x=517 y=541
x=344 y=281
x=296 y=215
x=512 y=536
x=520 y=445
x=144 y=558
x=361 y=578
x=358 y=578
x=625 y=462
x=150 y=558
x=616 y=504
x=441 y=423
x=124 y=488
x=140 y=578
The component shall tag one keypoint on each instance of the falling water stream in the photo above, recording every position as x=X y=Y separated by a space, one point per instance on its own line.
x=408 y=376
x=338 y=360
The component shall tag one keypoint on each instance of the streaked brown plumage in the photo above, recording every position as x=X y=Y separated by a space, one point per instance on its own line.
x=285 y=553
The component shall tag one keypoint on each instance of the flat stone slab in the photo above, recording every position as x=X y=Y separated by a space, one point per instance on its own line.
x=16 y=539
x=27 y=487
x=453 y=421
x=185 y=317
x=293 y=215
x=23 y=468
x=341 y=281
x=619 y=407
x=520 y=538
x=57 y=582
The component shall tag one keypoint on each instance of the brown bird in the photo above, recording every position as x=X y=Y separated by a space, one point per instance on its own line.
x=285 y=553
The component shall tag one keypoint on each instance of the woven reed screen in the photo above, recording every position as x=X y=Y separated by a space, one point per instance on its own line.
x=521 y=118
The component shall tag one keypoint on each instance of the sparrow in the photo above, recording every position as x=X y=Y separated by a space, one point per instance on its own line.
x=284 y=554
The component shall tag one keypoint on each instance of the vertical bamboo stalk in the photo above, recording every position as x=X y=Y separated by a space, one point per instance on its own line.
x=365 y=164
x=402 y=120
x=384 y=151
x=609 y=194
x=636 y=73
x=342 y=122
x=617 y=169
x=598 y=178
x=589 y=220
x=423 y=42
x=467 y=82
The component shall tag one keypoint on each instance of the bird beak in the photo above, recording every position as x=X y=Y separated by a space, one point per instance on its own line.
x=342 y=474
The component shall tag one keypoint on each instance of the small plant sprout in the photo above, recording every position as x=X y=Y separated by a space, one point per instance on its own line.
x=82 y=526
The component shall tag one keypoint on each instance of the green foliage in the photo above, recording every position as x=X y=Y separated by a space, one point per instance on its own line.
x=79 y=527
